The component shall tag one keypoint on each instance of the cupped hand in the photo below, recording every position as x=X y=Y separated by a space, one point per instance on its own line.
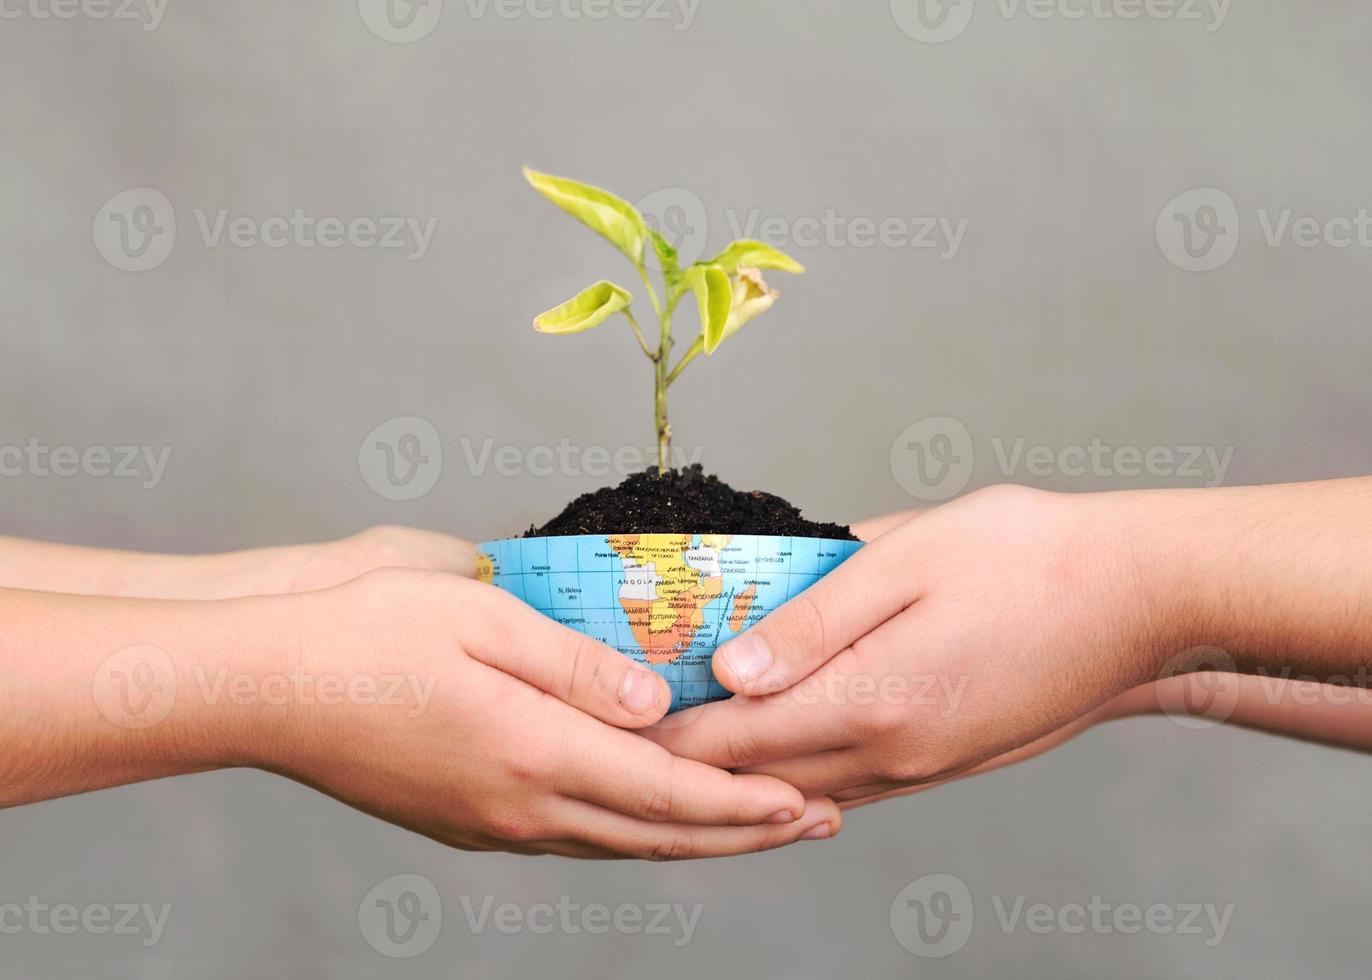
x=506 y=731
x=307 y=567
x=962 y=634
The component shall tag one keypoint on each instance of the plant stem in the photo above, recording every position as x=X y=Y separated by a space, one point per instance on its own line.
x=652 y=293
x=664 y=428
x=696 y=350
x=647 y=351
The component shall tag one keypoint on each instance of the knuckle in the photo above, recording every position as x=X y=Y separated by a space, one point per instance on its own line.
x=385 y=542
x=912 y=768
x=741 y=747
x=1011 y=498
x=531 y=766
x=675 y=845
x=585 y=670
x=514 y=826
x=658 y=801
x=805 y=629
x=886 y=720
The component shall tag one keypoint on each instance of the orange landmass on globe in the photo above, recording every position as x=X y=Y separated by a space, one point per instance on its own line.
x=743 y=604
x=667 y=585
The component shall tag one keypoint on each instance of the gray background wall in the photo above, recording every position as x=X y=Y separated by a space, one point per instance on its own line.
x=1061 y=319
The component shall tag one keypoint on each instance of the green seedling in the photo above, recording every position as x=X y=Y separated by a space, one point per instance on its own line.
x=729 y=289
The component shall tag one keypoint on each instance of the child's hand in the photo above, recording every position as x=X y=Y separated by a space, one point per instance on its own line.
x=515 y=748
x=44 y=567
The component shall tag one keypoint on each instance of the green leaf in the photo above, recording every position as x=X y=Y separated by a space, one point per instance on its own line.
x=604 y=213
x=750 y=254
x=666 y=252
x=715 y=297
x=587 y=310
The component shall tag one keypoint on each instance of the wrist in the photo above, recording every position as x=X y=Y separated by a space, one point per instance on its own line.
x=1264 y=579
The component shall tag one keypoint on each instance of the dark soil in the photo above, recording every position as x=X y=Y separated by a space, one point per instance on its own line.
x=683 y=502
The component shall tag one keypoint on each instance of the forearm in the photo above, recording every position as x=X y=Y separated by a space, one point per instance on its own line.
x=98 y=692
x=1323 y=713
x=1277 y=578
x=45 y=567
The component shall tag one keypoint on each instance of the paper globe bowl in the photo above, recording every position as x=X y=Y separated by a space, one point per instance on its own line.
x=666 y=600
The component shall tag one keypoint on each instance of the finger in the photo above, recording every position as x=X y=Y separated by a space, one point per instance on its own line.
x=791 y=643
x=744 y=731
x=441 y=552
x=859 y=793
x=894 y=793
x=826 y=773
x=612 y=832
x=585 y=673
x=407 y=547
x=628 y=774
x=875 y=527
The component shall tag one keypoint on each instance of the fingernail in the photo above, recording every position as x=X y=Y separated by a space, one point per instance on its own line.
x=747 y=658
x=639 y=691
x=818 y=832
x=782 y=816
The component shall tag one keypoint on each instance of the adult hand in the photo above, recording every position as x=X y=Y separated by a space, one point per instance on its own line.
x=966 y=632
x=976 y=629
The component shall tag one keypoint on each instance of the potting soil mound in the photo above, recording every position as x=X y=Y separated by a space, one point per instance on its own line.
x=687 y=501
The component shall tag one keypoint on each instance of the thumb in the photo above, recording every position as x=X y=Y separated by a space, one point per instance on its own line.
x=518 y=640
x=827 y=618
